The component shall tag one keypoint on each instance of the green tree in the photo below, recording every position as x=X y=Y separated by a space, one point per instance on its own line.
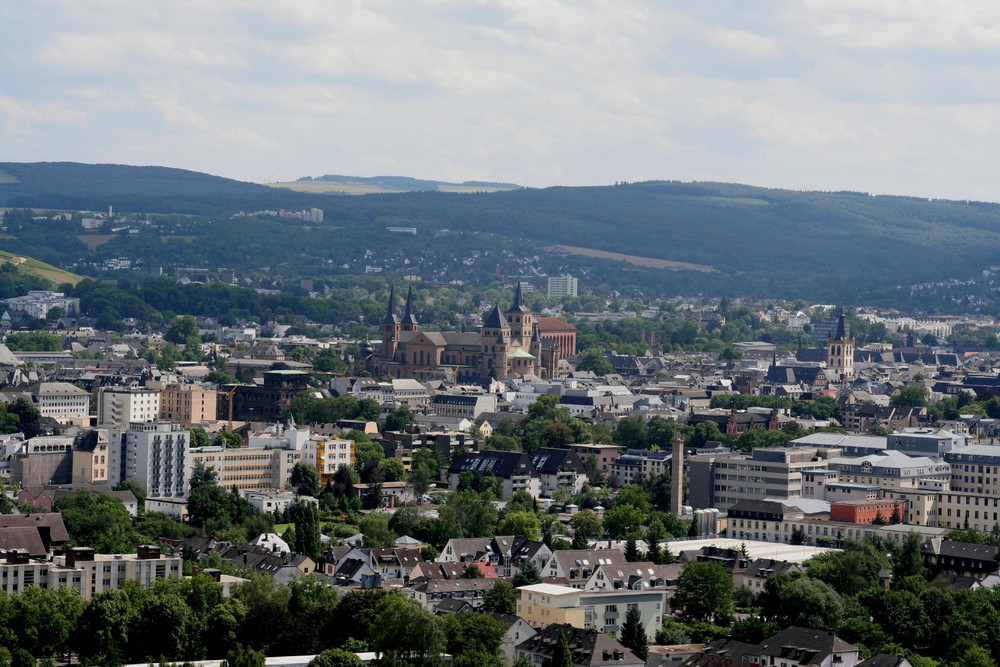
x=137 y=489
x=802 y=601
x=392 y=469
x=28 y=417
x=336 y=657
x=909 y=560
x=471 y=571
x=97 y=520
x=228 y=439
x=527 y=574
x=244 y=657
x=181 y=329
x=595 y=361
x=632 y=553
x=375 y=528
x=304 y=479
x=368 y=409
x=421 y=478
x=199 y=438
x=633 y=636
x=502 y=598
x=562 y=656
x=911 y=396
x=525 y=524
x=104 y=627
x=623 y=520
x=586 y=523
x=402 y=626
x=470 y=633
x=305 y=517
x=202 y=475
x=704 y=591
x=398 y=419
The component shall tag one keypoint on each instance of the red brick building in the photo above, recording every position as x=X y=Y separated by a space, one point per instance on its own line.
x=551 y=328
x=865 y=511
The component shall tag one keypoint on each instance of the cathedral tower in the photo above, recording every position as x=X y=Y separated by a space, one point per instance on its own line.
x=409 y=319
x=840 y=351
x=390 y=328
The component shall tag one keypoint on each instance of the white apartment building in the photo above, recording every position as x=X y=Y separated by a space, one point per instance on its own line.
x=156 y=454
x=61 y=400
x=87 y=572
x=117 y=407
x=560 y=286
x=38 y=303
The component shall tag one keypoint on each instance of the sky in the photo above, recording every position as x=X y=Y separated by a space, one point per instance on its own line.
x=886 y=96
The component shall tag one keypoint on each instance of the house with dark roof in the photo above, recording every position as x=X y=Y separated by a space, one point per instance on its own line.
x=513 y=470
x=559 y=468
x=964 y=558
x=506 y=553
x=589 y=648
x=792 y=647
x=37 y=534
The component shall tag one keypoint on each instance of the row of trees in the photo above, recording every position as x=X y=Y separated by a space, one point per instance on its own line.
x=847 y=592
x=184 y=620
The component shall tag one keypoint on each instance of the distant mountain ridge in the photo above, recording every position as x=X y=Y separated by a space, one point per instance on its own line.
x=759 y=241
x=344 y=184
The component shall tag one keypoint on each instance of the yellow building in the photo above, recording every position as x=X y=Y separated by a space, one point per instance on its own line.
x=331 y=453
x=543 y=604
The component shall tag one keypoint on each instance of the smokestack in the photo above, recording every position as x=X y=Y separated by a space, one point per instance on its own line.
x=677 y=475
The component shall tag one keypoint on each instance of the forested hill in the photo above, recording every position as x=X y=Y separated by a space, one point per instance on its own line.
x=761 y=242
x=73 y=185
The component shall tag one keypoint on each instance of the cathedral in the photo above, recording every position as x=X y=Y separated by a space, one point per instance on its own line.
x=509 y=343
x=840 y=352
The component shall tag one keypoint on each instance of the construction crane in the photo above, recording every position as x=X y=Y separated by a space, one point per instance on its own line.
x=229 y=403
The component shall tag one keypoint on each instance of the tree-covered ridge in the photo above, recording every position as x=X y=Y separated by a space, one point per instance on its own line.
x=762 y=242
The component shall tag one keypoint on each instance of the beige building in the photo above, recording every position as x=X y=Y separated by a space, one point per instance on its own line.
x=188 y=404
x=91 y=457
x=85 y=571
x=117 y=407
x=64 y=402
x=602 y=610
x=248 y=468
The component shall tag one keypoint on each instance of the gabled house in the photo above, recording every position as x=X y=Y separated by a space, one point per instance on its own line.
x=590 y=648
x=792 y=647
x=513 y=470
x=577 y=566
x=505 y=552
x=559 y=469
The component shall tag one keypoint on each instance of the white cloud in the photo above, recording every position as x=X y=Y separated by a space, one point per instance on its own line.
x=899 y=95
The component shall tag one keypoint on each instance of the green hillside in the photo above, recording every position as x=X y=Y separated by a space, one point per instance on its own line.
x=33 y=267
x=760 y=242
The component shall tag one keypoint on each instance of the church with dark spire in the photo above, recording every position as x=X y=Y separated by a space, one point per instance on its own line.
x=840 y=352
x=509 y=343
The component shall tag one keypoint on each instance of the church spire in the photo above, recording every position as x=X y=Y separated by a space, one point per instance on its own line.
x=841 y=325
x=390 y=314
x=409 y=319
x=518 y=304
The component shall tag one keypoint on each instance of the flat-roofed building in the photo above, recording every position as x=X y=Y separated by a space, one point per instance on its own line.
x=85 y=571
x=118 y=407
x=188 y=404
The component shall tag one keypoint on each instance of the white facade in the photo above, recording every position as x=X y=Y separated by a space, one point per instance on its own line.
x=156 y=454
x=61 y=400
x=560 y=286
x=38 y=303
x=117 y=407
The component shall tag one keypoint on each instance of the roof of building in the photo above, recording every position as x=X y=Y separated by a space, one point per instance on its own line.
x=551 y=460
x=491 y=462
x=495 y=320
x=589 y=647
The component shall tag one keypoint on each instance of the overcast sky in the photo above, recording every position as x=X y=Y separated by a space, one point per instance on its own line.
x=886 y=96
